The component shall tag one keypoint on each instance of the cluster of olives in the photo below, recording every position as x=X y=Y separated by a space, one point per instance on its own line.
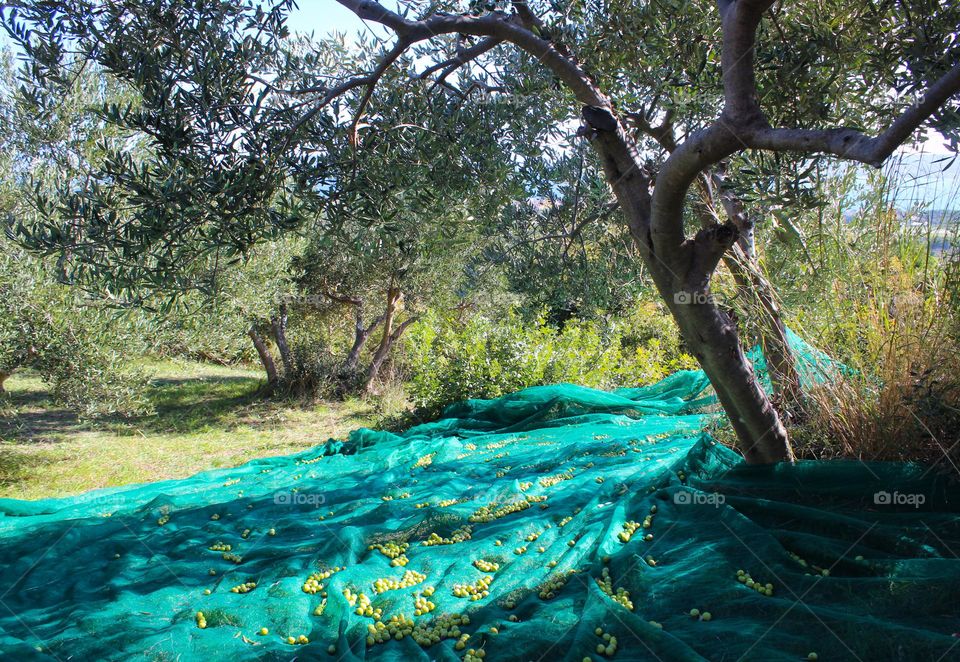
x=402 y=495
x=313 y=583
x=475 y=591
x=550 y=481
x=495 y=511
x=410 y=578
x=549 y=589
x=629 y=528
x=445 y=626
x=746 y=579
x=486 y=566
x=620 y=595
x=421 y=605
x=609 y=644
x=461 y=534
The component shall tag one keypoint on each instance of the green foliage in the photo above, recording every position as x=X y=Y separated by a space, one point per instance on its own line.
x=450 y=360
x=565 y=248
x=78 y=349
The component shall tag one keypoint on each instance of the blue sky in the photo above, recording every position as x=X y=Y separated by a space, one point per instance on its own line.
x=323 y=17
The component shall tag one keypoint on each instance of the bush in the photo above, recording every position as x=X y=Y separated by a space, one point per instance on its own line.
x=79 y=350
x=449 y=361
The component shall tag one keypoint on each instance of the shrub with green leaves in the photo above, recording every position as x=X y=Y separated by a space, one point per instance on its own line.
x=74 y=347
x=450 y=360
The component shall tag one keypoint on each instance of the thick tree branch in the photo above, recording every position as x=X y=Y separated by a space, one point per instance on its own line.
x=855 y=145
x=397 y=332
x=739 y=20
x=343 y=298
x=503 y=26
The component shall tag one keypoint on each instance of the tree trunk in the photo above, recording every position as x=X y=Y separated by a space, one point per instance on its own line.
x=757 y=292
x=266 y=359
x=383 y=350
x=752 y=288
x=682 y=267
x=711 y=336
x=781 y=362
x=3 y=377
x=361 y=335
x=278 y=326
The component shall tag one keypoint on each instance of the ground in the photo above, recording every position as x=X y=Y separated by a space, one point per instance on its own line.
x=207 y=417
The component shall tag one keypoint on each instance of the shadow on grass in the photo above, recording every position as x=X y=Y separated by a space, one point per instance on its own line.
x=192 y=404
x=17 y=465
x=38 y=425
x=181 y=405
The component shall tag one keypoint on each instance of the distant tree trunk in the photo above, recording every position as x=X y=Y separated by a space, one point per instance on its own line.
x=390 y=336
x=266 y=359
x=278 y=326
x=361 y=335
x=383 y=350
x=3 y=378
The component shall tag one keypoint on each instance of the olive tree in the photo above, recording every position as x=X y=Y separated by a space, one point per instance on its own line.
x=926 y=70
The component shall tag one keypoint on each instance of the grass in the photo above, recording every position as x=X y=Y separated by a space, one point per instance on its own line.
x=206 y=417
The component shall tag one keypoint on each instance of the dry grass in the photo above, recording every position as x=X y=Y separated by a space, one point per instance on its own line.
x=900 y=402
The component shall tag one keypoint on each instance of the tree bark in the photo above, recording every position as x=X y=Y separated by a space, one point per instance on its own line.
x=711 y=336
x=752 y=288
x=266 y=359
x=760 y=297
x=682 y=267
x=278 y=327
x=3 y=377
x=383 y=349
x=781 y=362
x=361 y=335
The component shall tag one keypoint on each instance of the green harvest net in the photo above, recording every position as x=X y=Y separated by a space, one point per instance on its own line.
x=516 y=528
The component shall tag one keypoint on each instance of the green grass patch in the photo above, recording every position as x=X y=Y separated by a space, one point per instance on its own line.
x=206 y=417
